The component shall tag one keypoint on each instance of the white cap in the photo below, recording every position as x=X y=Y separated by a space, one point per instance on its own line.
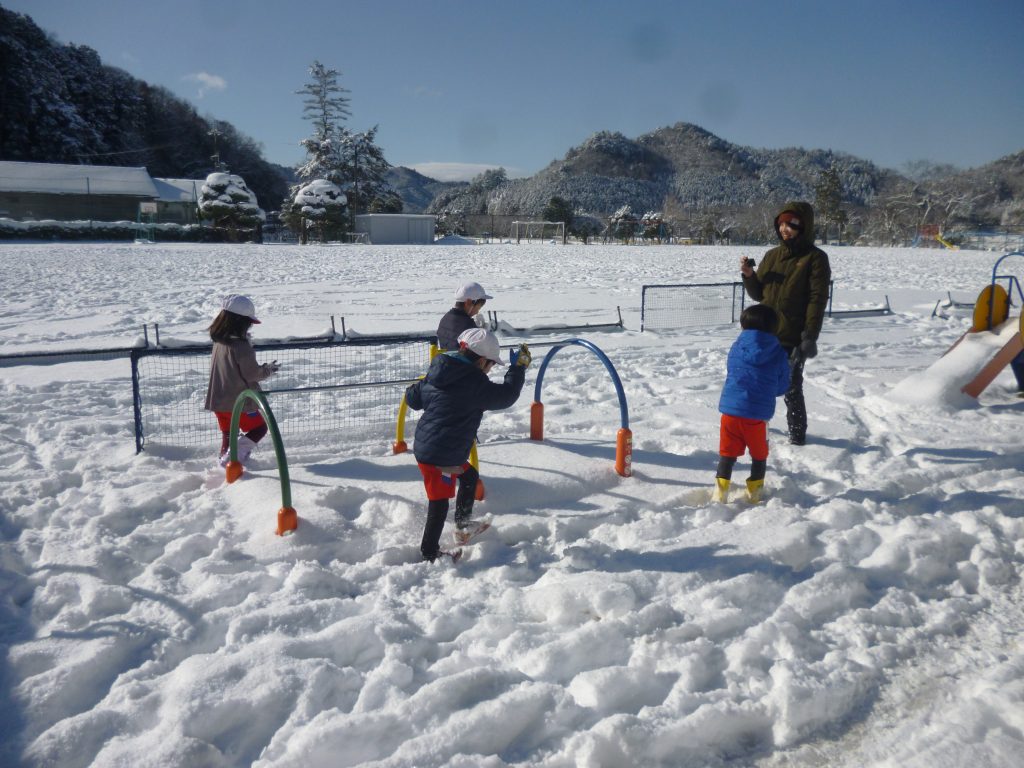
x=240 y=305
x=471 y=292
x=483 y=342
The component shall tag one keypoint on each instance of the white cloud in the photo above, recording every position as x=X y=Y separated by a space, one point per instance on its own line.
x=460 y=171
x=206 y=82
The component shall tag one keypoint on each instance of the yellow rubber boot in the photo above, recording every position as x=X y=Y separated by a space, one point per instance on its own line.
x=754 y=491
x=721 y=492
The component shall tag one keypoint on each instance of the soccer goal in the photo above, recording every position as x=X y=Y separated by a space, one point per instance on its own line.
x=667 y=307
x=538 y=230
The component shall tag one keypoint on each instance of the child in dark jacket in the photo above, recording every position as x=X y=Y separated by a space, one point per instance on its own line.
x=469 y=300
x=453 y=396
x=757 y=373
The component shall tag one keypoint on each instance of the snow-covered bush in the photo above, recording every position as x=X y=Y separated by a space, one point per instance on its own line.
x=318 y=206
x=229 y=203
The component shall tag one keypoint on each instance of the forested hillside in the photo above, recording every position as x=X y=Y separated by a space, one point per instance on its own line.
x=60 y=104
x=712 y=189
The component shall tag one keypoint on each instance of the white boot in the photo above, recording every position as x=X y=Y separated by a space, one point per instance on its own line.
x=245 y=447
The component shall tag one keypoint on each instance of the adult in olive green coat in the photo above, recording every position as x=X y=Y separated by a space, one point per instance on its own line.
x=793 y=278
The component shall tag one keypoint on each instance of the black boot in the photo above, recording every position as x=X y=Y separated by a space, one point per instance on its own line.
x=796 y=409
x=466 y=496
x=437 y=513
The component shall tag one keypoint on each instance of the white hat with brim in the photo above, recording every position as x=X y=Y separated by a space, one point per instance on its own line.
x=471 y=292
x=482 y=342
x=240 y=305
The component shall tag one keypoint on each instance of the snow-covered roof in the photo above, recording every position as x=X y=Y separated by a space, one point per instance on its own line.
x=59 y=179
x=178 y=190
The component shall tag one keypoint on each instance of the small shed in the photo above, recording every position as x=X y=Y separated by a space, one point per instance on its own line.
x=396 y=228
x=35 y=191
x=179 y=200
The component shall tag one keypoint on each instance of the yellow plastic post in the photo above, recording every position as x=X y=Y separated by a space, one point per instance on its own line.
x=474 y=462
x=400 y=446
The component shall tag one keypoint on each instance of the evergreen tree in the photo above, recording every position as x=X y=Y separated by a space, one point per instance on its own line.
x=325 y=103
x=558 y=209
x=319 y=205
x=364 y=171
x=230 y=204
x=326 y=107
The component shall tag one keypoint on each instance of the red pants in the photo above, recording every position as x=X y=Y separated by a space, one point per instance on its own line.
x=738 y=434
x=248 y=421
x=439 y=485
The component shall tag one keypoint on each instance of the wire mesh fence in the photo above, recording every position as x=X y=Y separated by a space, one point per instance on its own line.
x=335 y=389
x=667 y=307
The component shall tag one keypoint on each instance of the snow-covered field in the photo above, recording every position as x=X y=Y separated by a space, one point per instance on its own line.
x=868 y=613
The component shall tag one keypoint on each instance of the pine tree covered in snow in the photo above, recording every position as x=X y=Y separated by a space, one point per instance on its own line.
x=319 y=205
x=229 y=203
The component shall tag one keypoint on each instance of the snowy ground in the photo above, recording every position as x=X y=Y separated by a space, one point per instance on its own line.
x=869 y=613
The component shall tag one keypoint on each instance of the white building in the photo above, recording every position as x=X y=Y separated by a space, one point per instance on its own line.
x=396 y=228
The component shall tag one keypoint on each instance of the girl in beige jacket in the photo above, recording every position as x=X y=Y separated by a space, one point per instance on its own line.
x=233 y=369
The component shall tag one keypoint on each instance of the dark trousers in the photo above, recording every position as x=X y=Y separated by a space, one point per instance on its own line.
x=796 y=409
x=1017 y=364
x=437 y=513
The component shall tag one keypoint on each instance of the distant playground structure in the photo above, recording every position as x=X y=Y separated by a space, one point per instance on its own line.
x=992 y=316
x=932 y=233
x=1000 y=239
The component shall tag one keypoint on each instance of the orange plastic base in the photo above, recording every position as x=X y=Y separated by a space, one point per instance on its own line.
x=287 y=520
x=233 y=471
x=624 y=452
x=399 y=447
x=537 y=421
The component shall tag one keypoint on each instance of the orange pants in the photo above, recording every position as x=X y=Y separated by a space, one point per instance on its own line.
x=439 y=485
x=738 y=434
x=247 y=420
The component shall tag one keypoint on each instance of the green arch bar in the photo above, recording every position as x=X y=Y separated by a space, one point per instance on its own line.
x=275 y=436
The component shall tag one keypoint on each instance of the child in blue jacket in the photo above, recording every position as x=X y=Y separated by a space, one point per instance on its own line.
x=757 y=373
x=453 y=396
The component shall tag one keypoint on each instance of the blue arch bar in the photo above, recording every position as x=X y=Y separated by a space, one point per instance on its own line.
x=623 y=409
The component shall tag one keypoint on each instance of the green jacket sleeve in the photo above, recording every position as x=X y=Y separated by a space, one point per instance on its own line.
x=821 y=278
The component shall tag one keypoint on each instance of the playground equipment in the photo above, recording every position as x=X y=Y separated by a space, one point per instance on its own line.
x=501 y=326
x=946 y=243
x=287 y=519
x=401 y=446
x=990 y=311
x=624 y=437
x=950 y=303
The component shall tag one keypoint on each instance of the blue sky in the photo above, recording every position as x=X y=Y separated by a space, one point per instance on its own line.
x=456 y=86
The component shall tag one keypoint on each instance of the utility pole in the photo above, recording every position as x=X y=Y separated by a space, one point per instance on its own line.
x=215 y=157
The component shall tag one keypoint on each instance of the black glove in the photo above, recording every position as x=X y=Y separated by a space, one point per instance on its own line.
x=274 y=366
x=809 y=348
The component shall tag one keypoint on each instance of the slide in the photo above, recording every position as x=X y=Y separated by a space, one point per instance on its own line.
x=957 y=377
x=947 y=243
